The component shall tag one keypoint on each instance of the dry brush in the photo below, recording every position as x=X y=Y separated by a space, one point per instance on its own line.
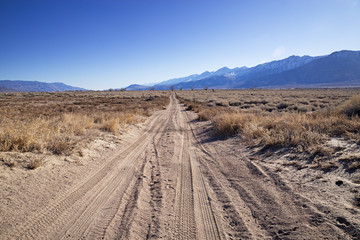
x=57 y=122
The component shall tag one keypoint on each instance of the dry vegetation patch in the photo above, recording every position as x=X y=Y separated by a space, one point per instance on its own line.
x=57 y=122
x=303 y=120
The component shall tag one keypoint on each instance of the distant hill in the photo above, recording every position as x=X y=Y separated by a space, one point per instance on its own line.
x=136 y=87
x=195 y=77
x=35 y=86
x=339 y=69
x=3 y=89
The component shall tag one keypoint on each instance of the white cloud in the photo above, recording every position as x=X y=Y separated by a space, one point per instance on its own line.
x=279 y=51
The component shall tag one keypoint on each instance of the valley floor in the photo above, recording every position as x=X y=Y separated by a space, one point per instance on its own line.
x=171 y=179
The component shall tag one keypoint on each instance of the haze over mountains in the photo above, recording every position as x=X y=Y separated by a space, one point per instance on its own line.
x=35 y=86
x=339 y=69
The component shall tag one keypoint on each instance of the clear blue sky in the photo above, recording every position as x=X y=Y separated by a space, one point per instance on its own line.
x=110 y=44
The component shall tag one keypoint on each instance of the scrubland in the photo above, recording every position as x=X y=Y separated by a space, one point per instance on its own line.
x=316 y=122
x=173 y=176
x=58 y=122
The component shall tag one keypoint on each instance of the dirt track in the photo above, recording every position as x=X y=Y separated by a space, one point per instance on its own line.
x=171 y=184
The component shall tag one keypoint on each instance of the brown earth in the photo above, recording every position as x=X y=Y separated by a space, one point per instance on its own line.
x=171 y=179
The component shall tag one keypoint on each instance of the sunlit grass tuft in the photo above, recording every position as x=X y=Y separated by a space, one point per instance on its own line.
x=303 y=130
x=54 y=123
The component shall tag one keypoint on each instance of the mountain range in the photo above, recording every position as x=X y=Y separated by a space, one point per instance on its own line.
x=338 y=69
x=35 y=86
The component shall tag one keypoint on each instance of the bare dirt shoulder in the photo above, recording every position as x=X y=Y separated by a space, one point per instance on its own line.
x=262 y=198
x=60 y=197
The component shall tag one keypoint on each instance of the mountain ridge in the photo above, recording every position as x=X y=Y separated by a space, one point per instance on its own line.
x=35 y=86
x=342 y=65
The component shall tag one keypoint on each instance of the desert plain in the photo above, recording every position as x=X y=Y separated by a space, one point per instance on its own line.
x=201 y=164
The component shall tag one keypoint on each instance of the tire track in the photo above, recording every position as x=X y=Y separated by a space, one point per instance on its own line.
x=184 y=203
x=155 y=194
x=192 y=199
x=268 y=208
x=150 y=157
x=126 y=216
x=239 y=220
x=77 y=226
x=136 y=160
x=91 y=194
x=210 y=229
x=130 y=206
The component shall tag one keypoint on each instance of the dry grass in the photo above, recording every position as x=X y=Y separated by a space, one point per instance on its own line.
x=350 y=107
x=261 y=100
x=303 y=131
x=293 y=127
x=57 y=122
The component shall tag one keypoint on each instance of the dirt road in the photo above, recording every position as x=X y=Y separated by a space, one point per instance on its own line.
x=170 y=183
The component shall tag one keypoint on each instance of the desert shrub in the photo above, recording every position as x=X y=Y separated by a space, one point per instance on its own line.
x=299 y=130
x=110 y=125
x=208 y=113
x=350 y=107
x=270 y=130
x=301 y=119
x=20 y=135
x=221 y=103
x=304 y=102
x=234 y=103
x=282 y=105
x=227 y=123
x=56 y=122
x=61 y=145
x=75 y=124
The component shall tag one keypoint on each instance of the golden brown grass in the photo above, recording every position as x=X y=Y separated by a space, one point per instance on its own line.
x=303 y=130
x=56 y=122
x=350 y=107
x=287 y=129
x=296 y=100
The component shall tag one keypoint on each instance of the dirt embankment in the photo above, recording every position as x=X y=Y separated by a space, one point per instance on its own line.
x=169 y=180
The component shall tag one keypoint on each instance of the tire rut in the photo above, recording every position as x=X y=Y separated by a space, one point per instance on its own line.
x=127 y=214
x=148 y=186
x=267 y=202
x=184 y=212
x=156 y=196
x=71 y=214
x=238 y=224
x=194 y=216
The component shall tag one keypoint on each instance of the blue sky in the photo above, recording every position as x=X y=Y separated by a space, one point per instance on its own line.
x=111 y=44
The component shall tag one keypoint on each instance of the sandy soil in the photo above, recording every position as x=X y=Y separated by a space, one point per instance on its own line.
x=171 y=179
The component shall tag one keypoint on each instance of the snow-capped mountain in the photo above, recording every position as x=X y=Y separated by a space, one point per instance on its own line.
x=337 y=69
